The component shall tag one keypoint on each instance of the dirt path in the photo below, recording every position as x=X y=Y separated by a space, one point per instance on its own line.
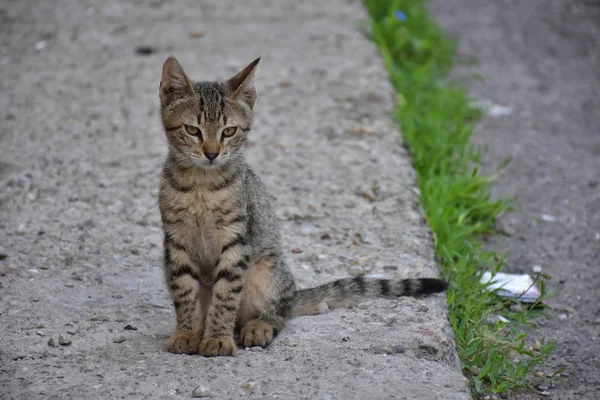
x=79 y=223
x=541 y=65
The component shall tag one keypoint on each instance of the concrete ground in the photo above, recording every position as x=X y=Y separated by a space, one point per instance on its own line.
x=541 y=65
x=84 y=312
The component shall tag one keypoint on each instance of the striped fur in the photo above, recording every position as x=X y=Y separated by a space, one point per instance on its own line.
x=222 y=259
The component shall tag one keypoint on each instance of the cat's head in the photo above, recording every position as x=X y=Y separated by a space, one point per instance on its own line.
x=206 y=122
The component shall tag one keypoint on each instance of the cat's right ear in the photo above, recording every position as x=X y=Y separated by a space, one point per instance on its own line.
x=174 y=83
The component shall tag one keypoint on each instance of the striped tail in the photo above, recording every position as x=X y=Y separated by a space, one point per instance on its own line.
x=350 y=290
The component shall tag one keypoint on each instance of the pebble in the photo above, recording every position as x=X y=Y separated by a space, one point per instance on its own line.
x=196 y=34
x=537 y=269
x=51 y=342
x=399 y=349
x=381 y=350
x=20 y=229
x=130 y=328
x=201 y=391
x=71 y=331
x=119 y=339
x=249 y=385
x=356 y=270
x=548 y=218
x=322 y=257
x=145 y=50
x=256 y=348
x=562 y=316
x=366 y=238
x=63 y=341
x=39 y=333
x=306 y=229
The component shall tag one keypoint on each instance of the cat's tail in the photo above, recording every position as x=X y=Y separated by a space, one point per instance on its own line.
x=349 y=290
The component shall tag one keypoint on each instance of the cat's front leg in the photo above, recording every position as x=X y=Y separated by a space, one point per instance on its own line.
x=187 y=292
x=228 y=283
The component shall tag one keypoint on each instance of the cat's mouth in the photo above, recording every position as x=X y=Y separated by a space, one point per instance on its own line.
x=205 y=163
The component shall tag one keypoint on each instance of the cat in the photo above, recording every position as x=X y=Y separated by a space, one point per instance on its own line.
x=223 y=263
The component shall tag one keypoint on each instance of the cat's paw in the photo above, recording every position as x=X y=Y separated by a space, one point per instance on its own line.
x=257 y=333
x=220 y=346
x=182 y=342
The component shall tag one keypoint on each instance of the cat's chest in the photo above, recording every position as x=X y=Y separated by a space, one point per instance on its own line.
x=204 y=241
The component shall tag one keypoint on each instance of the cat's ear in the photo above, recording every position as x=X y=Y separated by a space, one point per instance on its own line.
x=174 y=83
x=241 y=86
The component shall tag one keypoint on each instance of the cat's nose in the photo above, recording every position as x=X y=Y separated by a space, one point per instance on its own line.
x=211 y=156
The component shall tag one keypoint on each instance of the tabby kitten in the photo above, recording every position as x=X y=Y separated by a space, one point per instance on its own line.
x=222 y=258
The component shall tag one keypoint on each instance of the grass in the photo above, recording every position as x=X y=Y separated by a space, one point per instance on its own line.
x=437 y=121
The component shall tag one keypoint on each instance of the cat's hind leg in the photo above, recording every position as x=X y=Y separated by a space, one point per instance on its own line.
x=267 y=300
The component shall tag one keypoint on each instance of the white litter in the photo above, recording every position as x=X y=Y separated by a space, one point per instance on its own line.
x=512 y=286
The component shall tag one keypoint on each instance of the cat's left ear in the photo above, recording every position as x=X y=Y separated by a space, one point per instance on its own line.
x=241 y=86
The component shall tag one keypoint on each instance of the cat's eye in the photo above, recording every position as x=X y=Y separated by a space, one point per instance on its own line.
x=192 y=130
x=229 y=132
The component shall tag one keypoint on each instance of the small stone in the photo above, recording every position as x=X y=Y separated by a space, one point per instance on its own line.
x=390 y=268
x=145 y=50
x=356 y=270
x=285 y=84
x=548 y=218
x=41 y=45
x=135 y=251
x=51 y=342
x=99 y=317
x=544 y=393
x=297 y=250
x=33 y=271
x=20 y=229
x=516 y=308
x=3 y=255
x=537 y=269
x=130 y=328
x=325 y=236
x=63 y=341
x=69 y=285
x=196 y=34
x=71 y=331
x=256 y=348
x=119 y=339
x=40 y=333
x=366 y=238
x=536 y=346
x=249 y=385
x=201 y=391
x=292 y=344
x=399 y=349
x=562 y=316
x=381 y=350
x=422 y=308
x=306 y=229
x=322 y=257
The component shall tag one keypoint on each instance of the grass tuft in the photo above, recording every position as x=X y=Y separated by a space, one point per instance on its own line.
x=437 y=122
